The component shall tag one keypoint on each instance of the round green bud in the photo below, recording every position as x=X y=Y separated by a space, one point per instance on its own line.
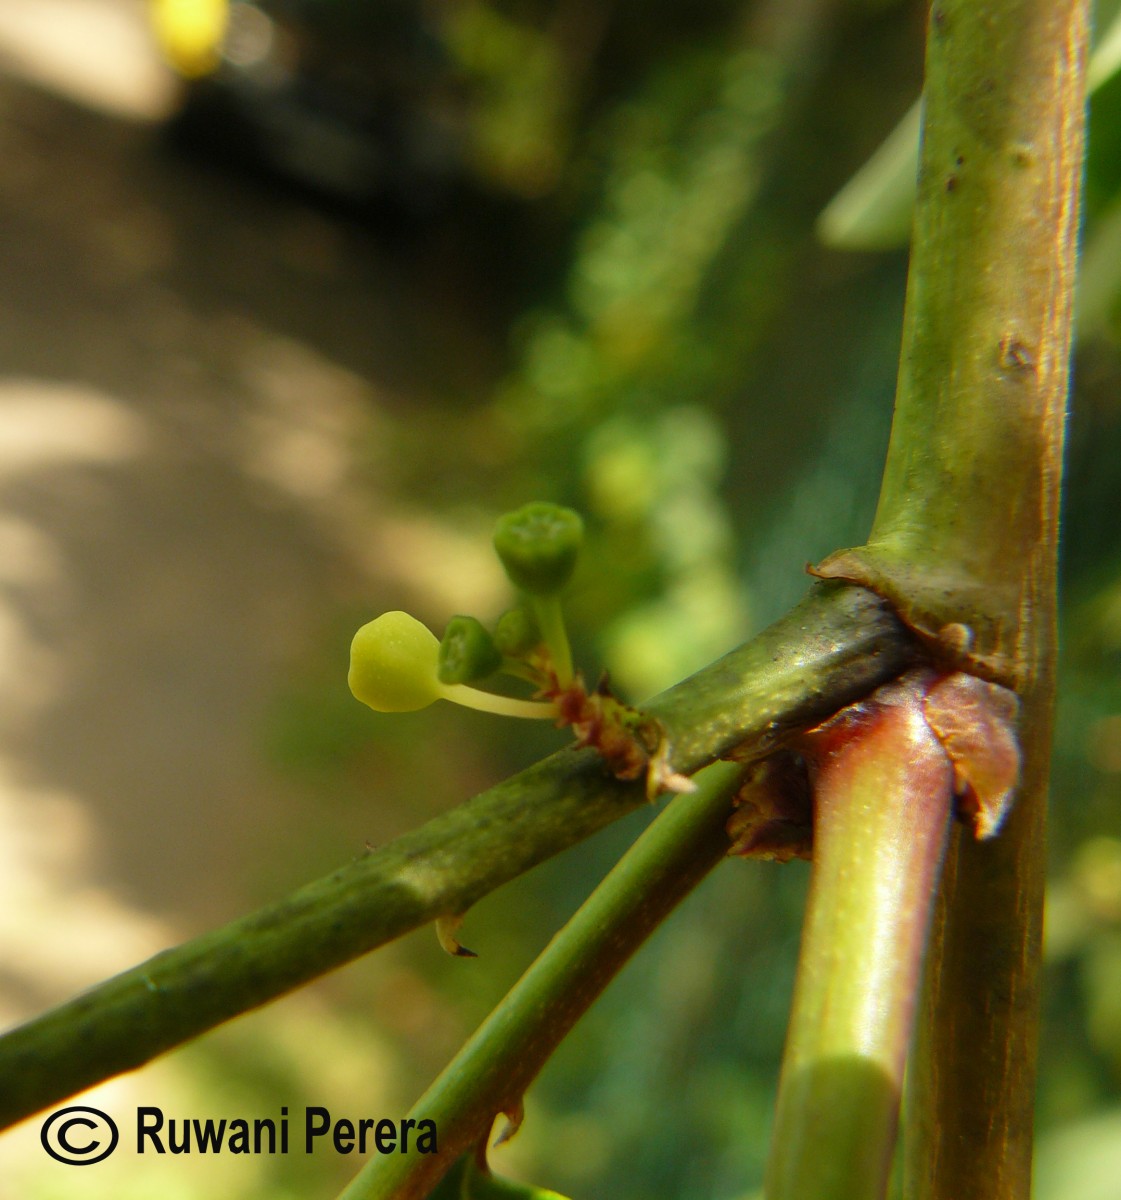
x=516 y=633
x=393 y=664
x=538 y=545
x=467 y=652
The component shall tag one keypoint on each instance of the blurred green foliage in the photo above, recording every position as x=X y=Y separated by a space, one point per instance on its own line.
x=712 y=389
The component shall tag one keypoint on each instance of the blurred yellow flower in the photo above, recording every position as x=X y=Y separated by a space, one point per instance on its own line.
x=190 y=33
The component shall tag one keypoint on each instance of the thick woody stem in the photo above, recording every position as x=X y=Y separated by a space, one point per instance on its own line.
x=965 y=538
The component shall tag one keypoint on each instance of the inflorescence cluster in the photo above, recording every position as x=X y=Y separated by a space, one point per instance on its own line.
x=398 y=665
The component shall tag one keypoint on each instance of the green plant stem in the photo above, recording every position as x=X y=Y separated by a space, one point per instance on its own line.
x=972 y=1107
x=966 y=533
x=833 y=648
x=517 y=669
x=882 y=799
x=963 y=539
x=550 y=621
x=491 y=702
x=492 y=1071
x=874 y=210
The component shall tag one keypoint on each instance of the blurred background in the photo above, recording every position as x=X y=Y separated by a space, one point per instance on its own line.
x=295 y=298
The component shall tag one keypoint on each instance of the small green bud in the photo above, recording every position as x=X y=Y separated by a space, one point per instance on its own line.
x=393 y=664
x=467 y=652
x=538 y=545
x=516 y=633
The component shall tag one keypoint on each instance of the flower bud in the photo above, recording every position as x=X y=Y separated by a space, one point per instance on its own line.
x=516 y=633
x=538 y=545
x=393 y=663
x=467 y=652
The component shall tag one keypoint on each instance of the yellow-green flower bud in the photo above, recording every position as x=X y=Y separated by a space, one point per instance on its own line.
x=393 y=664
x=538 y=545
x=467 y=652
x=516 y=633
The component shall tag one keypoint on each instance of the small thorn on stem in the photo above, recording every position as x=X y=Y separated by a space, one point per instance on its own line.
x=446 y=928
x=515 y=1115
x=661 y=777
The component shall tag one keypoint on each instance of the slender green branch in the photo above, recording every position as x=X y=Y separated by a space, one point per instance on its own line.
x=833 y=648
x=882 y=798
x=502 y=706
x=550 y=620
x=492 y=1071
